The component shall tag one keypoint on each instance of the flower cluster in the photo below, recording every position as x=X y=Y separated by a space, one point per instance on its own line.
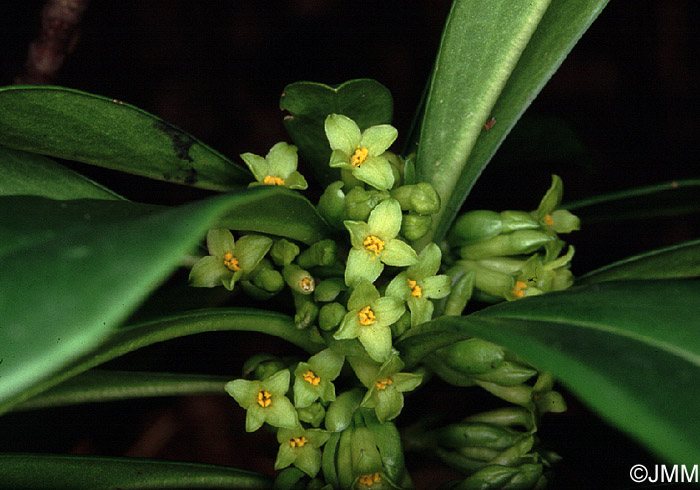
x=357 y=295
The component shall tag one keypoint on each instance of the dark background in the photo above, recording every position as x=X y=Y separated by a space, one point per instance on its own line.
x=621 y=112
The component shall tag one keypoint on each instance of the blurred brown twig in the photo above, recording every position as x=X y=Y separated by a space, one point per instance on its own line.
x=57 y=39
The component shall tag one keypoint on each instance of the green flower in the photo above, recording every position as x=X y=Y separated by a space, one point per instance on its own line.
x=368 y=319
x=361 y=153
x=277 y=168
x=265 y=401
x=374 y=244
x=418 y=283
x=313 y=379
x=301 y=448
x=386 y=385
x=228 y=260
x=550 y=218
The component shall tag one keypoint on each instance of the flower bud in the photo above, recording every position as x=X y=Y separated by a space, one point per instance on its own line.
x=497 y=477
x=298 y=279
x=306 y=310
x=330 y=204
x=479 y=225
x=359 y=203
x=421 y=198
x=516 y=243
x=472 y=356
x=506 y=416
x=331 y=315
x=474 y=434
x=341 y=411
x=329 y=289
x=283 y=252
x=508 y=374
x=262 y=366
x=313 y=414
x=414 y=226
x=321 y=253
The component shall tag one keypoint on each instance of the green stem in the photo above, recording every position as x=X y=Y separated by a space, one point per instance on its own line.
x=630 y=193
x=104 y=386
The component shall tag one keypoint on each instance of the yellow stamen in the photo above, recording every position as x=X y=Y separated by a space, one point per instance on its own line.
x=518 y=291
x=382 y=384
x=359 y=157
x=307 y=284
x=366 y=316
x=366 y=481
x=548 y=220
x=231 y=262
x=415 y=289
x=298 y=441
x=264 y=398
x=311 y=378
x=373 y=244
x=270 y=180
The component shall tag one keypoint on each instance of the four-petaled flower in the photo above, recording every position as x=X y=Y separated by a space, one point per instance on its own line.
x=228 y=260
x=301 y=448
x=418 y=284
x=368 y=319
x=361 y=152
x=374 y=244
x=265 y=401
x=313 y=379
x=552 y=219
x=385 y=385
x=279 y=167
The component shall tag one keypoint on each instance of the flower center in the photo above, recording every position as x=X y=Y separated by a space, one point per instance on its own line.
x=366 y=481
x=298 y=441
x=270 y=180
x=366 y=316
x=548 y=220
x=264 y=398
x=359 y=157
x=373 y=244
x=415 y=289
x=311 y=378
x=231 y=262
x=518 y=291
x=307 y=284
x=382 y=384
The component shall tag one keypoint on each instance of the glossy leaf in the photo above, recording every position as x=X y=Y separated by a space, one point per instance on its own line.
x=629 y=349
x=669 y=199
x=58 y=472
x=128 y=339
x=365 y=101
x=23 y=173
x=494 y=59
x=677 y=261
x=75 y=125
x=72 y=270
x=98 y=385
x=277 y=211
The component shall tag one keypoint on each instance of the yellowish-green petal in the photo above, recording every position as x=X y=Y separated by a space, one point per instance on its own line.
x=342 y=133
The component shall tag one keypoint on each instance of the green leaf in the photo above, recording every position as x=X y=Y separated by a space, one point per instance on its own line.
x=23 y=173
x=99 y=385
x=72 y=270
x=30 y=471
x=669 y=199
x=677 y=261
x=128 y=339
x=277 y=211
x=365 y=101
x=494 y=59
x=629 y=349
x=75 y=125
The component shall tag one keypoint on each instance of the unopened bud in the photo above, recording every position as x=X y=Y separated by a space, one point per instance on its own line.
x=331 y=315
x=473 y=356
x=321 y=253
x=359 y=203
x=515 y=243
x=283 y=252
x=414 y=226
x=330 y=204
x=421 y=198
